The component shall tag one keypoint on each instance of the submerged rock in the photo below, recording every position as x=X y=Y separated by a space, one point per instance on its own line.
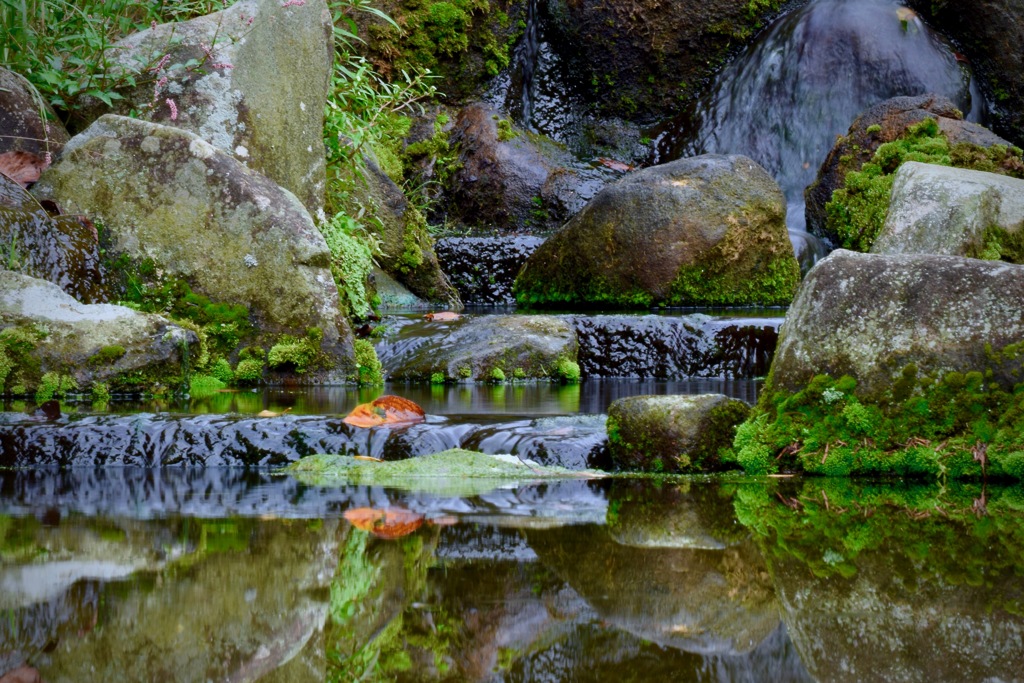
x=706 y=230
x=884 y=122
x=872 y=316
x=47 y=331
x=941 y=210
x=519 y=346
x=673 y=433
x=257 y=92
x=167 y=197
x=483 y=269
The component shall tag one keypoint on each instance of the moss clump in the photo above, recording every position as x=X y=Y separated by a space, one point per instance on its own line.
x=857 y=210
x=298 y=354
x=566 y=371
x=352 y=252
x=369 y=371
x=497 y=375
x=505 y=130
x=437 y=378
x=54 y=385
x=959 y=425
x=250 y=365
x=998 y=244
x=17 y=366
x=221 y=369
x=714 y=283
x=201 y=386
x=108 y=355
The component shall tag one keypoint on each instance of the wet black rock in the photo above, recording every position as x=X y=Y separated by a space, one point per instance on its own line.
x=483 y=269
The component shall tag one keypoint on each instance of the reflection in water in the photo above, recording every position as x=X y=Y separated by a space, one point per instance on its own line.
x=677 y=580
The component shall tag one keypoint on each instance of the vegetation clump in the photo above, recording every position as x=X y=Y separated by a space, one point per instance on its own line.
x=566 y=370
x=250 y=365
x=857 y=210
x=299 y=354
x=958 y=425
x=369 y=371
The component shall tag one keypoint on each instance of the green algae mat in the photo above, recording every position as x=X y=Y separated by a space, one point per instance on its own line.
x=454 y=472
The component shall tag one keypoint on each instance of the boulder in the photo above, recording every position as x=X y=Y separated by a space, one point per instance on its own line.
x=639 y=58
x=62 y=249
x=167 y=197
x=942 y=210
x=473 y=348
x=23 y=128
x=90 y=343
x=707 y=230
x=678 y=434
x=884 y=122
x=257 y=92
x=870 y=316
x=513 y=180
x=991 y=34
x=407 y=249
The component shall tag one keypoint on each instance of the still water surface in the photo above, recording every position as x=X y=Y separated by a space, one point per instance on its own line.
x=222 y=574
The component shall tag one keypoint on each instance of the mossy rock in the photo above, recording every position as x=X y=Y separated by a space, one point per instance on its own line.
x=675 y=434
x=44 y=333
x=707 y=230
x=191 y=213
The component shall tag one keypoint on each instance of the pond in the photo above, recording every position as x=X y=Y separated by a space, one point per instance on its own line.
x=127 y=573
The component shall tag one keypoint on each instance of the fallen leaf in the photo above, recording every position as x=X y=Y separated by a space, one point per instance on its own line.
x=271 y=413
x=368 y=458
x=22 y=167
x=387 y=523
x=386 y=410
x=442 y=316
x=615 y=165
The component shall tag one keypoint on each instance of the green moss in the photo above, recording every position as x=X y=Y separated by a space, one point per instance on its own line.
x=998 y=244
x=100 y=393
x=505 y=130
x=250 y=365
x=352 y=252
x=298 y=354
x=857 y=210
x=437 y=378
x=497 y=375
x=369 y=371
x=17 y=366
x=715 y=283
x=221 y=369
x=954 y=426
x=108 y=355
x=201 y=386
x=53 y=385
x=566 y=370
x=519 y=373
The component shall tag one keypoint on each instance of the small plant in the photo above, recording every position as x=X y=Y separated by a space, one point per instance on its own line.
x=250 y=365
x=221 y=369
x=369 y=371
x=298 y=354
x=465 y=372
x=566 y=371
x=519 y=373
x=100 y=393
x=201 y=386
x=505 y=131
x=497 y=375
x=437 y=378
x=54 y=385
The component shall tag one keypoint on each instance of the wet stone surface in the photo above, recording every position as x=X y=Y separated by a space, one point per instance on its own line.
x=483 y=269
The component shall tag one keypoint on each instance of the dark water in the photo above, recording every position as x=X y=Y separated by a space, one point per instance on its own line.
x=134 y=575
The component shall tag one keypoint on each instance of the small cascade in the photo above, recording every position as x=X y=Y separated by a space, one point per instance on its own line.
x=785 y=98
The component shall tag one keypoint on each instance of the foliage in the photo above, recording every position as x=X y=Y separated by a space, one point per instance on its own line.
x=497 y=375
x=300 y=354
x=437 y=378
x=63 y=48
x=54 y=384
x=16 y=363
x=857 y=211
x=100 y=393
x=369 y=371
x=250 y=365
x=352 y=251
x=566 y=370
x=958 y=425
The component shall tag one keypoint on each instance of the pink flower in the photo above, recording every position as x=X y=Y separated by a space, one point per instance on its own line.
x=162 y=63
x=173 y=107
x=223 y=65
x=293 y=3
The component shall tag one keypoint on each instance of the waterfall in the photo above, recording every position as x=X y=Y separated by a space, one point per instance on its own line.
x=786 y=97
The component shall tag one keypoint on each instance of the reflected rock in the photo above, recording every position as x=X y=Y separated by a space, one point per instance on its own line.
x=884 y=583
x=683 y=515
x=700 y=601
x=250 y=604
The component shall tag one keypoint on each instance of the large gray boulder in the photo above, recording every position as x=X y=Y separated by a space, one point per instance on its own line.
x=168 y=196
x=88 y=342
x=870 y=316
x=673 y=433
x=942 y=210
x=258 y=92
x=699 y=231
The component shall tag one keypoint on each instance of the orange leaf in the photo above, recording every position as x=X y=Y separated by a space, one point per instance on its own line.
x=22 y=167
x=615 y=165
x=442 y=316
x=386 y=410
x=271 y=413
x=389 y=523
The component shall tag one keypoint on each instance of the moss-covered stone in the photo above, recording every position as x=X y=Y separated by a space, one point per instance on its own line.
x=674 y=434
x=706 y=230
